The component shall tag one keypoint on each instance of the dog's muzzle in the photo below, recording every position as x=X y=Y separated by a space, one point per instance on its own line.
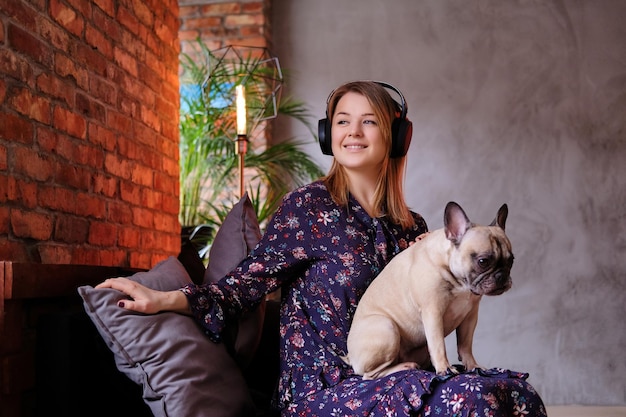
x=492 y=283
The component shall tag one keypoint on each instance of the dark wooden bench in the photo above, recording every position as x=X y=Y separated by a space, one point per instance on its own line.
x=47 y=341
x=53 y=362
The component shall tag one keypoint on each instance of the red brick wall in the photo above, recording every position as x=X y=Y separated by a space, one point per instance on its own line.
x=89 y=145
x=88 y=131
x=223 y=23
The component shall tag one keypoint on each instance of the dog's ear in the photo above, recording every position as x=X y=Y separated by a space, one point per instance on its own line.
x=455 y=222
x=500 y=219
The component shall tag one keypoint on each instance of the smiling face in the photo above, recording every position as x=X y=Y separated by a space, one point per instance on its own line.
x=357 y=141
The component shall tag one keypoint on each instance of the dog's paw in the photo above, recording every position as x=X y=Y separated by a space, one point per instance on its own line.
x=471 y=366
x=452 y=370
x=457 y=369
x=443 y=368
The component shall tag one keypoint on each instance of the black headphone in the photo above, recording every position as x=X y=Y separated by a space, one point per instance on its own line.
x=401 y=128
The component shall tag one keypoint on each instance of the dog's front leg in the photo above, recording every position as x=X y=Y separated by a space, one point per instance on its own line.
x=432 y=317
x=465 y=339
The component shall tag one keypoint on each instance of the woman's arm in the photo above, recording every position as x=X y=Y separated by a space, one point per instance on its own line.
x=146 y=300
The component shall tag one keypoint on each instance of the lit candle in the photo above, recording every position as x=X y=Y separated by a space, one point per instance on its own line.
x=241 y=110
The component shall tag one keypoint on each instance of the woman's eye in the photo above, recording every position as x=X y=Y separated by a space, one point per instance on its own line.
x=370 y=122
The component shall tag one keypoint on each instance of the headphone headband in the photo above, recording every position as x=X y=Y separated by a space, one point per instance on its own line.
x=401 y=127
x=404 y=108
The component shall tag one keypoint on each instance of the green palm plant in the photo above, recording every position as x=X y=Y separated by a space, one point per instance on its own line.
x=208 y=160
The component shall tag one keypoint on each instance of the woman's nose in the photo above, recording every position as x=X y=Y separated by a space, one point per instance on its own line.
x=355 y=130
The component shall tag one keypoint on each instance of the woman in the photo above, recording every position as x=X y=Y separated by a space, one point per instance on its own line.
x=323 y=247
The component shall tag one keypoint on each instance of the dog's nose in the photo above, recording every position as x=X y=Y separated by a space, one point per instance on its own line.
x=502 y=278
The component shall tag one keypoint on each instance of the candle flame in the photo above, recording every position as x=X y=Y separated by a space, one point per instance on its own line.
x=241 y=110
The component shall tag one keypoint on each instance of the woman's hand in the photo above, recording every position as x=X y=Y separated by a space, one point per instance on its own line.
x=146 y=300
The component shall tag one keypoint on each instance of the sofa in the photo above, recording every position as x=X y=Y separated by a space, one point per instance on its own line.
x=77 y=374
x=180 y=371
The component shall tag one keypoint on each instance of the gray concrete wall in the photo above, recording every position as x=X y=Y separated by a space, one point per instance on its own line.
x=522 y=102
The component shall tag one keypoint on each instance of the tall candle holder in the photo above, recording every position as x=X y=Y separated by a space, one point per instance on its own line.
x=255 y=77
x=241 y=147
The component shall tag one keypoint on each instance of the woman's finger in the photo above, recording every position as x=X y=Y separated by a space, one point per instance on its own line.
x=121 y=283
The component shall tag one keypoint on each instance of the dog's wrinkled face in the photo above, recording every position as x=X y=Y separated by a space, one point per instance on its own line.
x=481 y=256
x=484 y=260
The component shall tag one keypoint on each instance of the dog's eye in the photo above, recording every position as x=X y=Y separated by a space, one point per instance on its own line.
x=484 y=263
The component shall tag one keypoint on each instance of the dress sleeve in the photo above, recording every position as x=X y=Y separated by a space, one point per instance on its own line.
x=282 y=254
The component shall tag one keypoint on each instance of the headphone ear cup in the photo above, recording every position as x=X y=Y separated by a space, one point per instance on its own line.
x=323 y=133
x=401 y=133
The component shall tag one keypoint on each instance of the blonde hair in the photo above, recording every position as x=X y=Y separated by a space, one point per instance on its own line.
x=389 y=193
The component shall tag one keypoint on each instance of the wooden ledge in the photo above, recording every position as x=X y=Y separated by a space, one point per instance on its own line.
x=30 y=280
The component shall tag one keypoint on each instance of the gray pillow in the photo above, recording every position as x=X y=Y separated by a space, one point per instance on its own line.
x=183 y=373
x=237 y=236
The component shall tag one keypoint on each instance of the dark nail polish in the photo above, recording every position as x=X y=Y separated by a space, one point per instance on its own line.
x=120 y=304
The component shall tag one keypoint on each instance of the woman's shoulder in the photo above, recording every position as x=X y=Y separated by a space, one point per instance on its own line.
x=315 y=191
x=420 y=225
x=316 y=187
x=417 y=217
x=306 y=200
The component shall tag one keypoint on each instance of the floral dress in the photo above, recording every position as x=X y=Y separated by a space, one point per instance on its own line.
x=323 y=257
